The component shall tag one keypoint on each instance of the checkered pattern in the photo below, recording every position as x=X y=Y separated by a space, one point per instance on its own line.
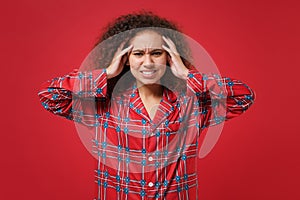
x=140 y=158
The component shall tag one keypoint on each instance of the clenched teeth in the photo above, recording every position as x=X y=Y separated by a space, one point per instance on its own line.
x=148 y=72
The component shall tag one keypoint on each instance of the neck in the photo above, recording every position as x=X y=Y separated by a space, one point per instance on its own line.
x=148 y=91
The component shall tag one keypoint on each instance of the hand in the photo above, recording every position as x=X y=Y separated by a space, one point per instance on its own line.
x=117 y=63
x=176 y=64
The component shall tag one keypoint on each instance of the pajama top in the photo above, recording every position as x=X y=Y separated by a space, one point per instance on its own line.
x=139 y=157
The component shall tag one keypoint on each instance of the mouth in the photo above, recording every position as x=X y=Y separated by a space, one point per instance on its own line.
x=148 y=72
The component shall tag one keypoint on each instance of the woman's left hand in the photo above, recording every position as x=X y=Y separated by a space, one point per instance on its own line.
x=174 y=59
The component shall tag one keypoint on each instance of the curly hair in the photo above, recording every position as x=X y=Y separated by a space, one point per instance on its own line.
x=124 y=28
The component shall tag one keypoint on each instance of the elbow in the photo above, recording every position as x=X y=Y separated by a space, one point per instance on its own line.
x=55 y=101
x=249 y=98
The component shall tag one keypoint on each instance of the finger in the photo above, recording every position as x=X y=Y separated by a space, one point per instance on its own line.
x=126 y=50
x=171 y=44
x=171 y=53
x=120 y=47
x=168 y=41
x=167 y=49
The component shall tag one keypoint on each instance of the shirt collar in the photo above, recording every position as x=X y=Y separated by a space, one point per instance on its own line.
x=168 y=95
x=167 y=104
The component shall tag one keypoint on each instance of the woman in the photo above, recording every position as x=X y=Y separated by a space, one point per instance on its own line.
x=146 y=126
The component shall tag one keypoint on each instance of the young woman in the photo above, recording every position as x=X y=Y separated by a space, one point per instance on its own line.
x=145 y=125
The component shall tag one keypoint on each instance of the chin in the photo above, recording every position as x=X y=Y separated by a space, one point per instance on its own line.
x=149 y=82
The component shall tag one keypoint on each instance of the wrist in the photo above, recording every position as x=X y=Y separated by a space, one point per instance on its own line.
x=185 y=74
x=108 y=73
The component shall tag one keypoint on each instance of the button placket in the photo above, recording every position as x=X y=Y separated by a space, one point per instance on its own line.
x=151 y=159
x=150 y=184
x=148 y=158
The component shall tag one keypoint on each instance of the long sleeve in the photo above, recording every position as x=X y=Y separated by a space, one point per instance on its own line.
x=219 y=98
x=78 y=96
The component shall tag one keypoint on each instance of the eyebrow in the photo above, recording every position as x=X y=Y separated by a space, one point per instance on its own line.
x=150 y=50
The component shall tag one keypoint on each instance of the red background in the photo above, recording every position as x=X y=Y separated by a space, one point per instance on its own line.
x=255 y=41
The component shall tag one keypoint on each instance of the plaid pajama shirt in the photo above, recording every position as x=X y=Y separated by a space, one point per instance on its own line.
x=139 y=157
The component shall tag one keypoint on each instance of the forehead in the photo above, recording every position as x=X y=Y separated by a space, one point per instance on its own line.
x=147 y=40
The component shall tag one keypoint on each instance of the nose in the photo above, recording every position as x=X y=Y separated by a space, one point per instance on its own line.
x=147 y=60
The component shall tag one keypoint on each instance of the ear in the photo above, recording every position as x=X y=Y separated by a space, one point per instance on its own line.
x=168 y=60
x=127 y=62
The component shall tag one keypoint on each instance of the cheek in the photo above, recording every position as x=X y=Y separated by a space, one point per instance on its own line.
x=162 y=60
x=133 y=62
x=164 y=69
x=133 y=69
x=162 y=63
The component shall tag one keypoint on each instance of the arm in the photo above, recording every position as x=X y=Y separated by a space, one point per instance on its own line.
x=78 y=96
x=219 y=98
x=82 y=96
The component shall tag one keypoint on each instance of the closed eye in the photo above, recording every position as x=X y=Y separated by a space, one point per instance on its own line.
x=138 y=53
x=157 y=53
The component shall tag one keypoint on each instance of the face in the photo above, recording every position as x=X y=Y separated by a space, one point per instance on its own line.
x=147 y=59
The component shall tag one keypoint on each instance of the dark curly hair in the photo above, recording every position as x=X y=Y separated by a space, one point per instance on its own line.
x=126 y=27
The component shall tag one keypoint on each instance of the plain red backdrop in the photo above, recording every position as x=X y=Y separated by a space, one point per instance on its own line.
x=255 y=41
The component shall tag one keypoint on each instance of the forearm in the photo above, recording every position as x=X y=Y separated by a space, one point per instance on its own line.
x=68 y=95
x=219 y=98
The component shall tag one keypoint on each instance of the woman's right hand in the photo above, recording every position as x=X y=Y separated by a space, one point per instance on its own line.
x=117 y=63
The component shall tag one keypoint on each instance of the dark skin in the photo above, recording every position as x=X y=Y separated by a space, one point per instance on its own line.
x=148 y=55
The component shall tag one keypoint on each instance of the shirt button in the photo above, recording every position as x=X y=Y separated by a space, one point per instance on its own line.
x=150 y=158
x=150 y=184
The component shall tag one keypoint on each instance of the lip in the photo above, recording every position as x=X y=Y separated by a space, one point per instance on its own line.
x=148 y=73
